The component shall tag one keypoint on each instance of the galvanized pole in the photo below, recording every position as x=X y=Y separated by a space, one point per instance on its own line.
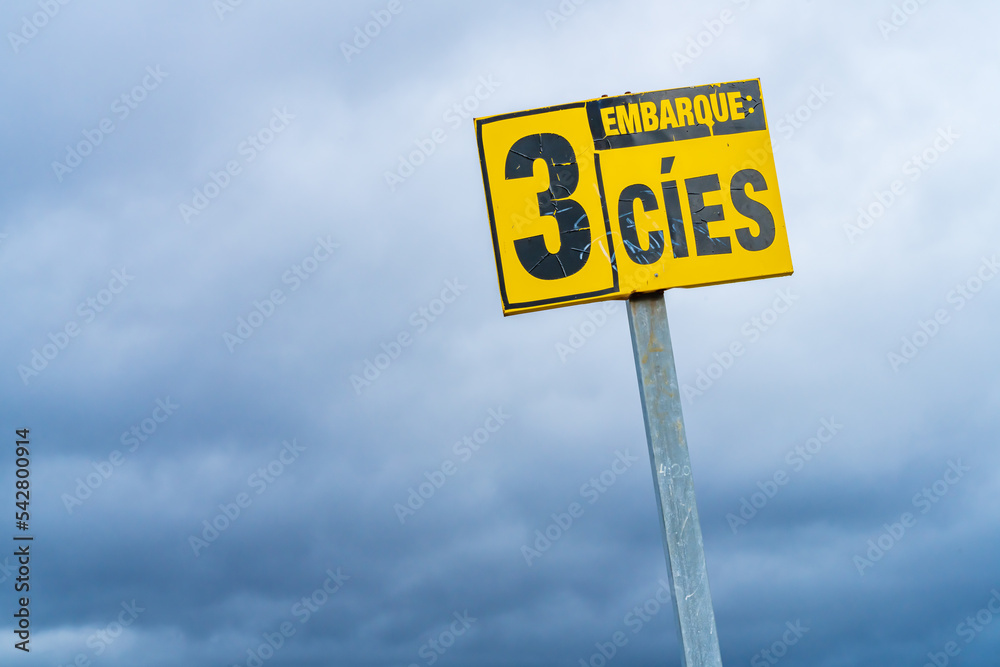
x=668 y=454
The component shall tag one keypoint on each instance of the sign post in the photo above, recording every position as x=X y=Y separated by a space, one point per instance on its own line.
x=622 y=198
x=668 y=454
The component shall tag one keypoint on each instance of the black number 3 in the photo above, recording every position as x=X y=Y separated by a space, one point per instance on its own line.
x=574 y=228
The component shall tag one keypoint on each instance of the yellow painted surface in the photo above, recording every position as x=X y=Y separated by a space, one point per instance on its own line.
x=609 y=182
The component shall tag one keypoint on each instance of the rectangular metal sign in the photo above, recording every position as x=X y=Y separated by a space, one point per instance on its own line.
x=609 y=197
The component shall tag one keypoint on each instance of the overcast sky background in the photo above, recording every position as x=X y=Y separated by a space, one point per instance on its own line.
x=878 y=97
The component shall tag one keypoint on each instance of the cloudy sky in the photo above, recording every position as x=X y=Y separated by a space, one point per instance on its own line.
x=277 y=417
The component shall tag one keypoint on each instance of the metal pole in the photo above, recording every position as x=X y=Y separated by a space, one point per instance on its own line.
x=668 y=454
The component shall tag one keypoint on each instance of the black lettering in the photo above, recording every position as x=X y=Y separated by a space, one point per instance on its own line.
x=672 y=204
x=701 y=215
x=753 y=210
x=574 y=227
x=626 y=222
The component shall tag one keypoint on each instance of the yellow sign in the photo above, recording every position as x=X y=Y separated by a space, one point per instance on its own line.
x=604 y=198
